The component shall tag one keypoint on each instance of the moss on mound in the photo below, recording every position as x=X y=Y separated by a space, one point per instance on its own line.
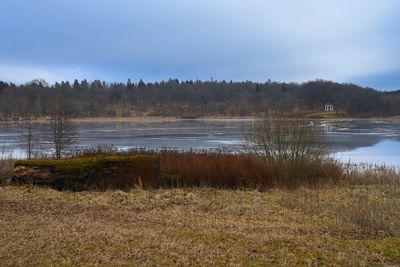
x=87 y=164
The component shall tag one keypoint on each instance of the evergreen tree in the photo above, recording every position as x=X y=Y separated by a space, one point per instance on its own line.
x=141 y=83
x=129 y=84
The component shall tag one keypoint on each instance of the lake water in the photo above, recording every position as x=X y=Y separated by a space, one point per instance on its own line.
x=367 y=141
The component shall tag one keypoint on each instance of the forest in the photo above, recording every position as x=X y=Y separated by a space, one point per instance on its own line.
x=193 y=99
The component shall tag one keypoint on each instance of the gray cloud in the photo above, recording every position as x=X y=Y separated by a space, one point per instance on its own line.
x=155 y=39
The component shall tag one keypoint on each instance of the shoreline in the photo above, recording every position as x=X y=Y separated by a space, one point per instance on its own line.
x=141 y=119
x=162 y=119
x=145 y=119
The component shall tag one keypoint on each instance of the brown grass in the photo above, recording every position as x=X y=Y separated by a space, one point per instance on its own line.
x=199 y=226
x=374 y=209
x=221 y=170
x=367 y=174
x=6 y=166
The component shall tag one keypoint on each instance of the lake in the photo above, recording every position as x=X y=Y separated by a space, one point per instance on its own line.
x=366 y=141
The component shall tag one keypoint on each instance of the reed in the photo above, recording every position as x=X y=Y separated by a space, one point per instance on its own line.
x=6 y=166
x=222 y=170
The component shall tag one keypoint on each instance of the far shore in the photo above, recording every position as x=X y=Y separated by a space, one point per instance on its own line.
x=216 y=118
x=145 y=119
x=141 y=119
x=162 y=119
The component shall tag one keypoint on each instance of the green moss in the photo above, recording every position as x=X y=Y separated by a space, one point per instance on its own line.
x=79 y=165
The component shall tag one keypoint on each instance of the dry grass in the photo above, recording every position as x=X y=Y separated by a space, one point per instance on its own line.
x=199 y=226
x=222 y=170
x=6 y=166
x=367 y=174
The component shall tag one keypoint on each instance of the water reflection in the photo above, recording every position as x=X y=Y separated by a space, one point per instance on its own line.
x=383 y=153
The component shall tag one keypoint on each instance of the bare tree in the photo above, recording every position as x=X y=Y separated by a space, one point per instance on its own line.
x=63 y=134
x=27 y=137
x=62 y=130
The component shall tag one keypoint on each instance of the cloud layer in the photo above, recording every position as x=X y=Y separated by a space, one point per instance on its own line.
x=286 y=40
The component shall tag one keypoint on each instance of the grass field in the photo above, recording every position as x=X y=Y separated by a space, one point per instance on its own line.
x=354 y=225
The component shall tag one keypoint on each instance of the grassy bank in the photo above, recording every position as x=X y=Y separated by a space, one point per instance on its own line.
x=351 y=225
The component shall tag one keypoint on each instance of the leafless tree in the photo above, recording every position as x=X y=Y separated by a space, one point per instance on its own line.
x=63 y=134
x=62 y=130
x=27 y=137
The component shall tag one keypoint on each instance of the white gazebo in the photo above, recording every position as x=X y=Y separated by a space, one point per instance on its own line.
x=328 y=107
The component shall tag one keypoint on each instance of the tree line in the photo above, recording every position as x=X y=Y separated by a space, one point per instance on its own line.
x=190 y=99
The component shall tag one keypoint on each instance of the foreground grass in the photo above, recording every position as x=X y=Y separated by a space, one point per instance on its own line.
x=350 y=225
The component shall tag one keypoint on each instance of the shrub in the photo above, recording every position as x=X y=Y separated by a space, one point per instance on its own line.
x=294 y=151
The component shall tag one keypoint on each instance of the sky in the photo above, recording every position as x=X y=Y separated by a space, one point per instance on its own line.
x=355 y=41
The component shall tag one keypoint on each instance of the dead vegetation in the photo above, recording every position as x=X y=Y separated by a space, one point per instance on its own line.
x=6 y=166
x=201 y=226
x=221 y=170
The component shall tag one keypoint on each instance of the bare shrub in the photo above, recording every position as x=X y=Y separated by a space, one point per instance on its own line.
x=295 y=150
x=293 y=141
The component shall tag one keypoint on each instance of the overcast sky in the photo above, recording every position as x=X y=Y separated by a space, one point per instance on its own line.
x=285 y=40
